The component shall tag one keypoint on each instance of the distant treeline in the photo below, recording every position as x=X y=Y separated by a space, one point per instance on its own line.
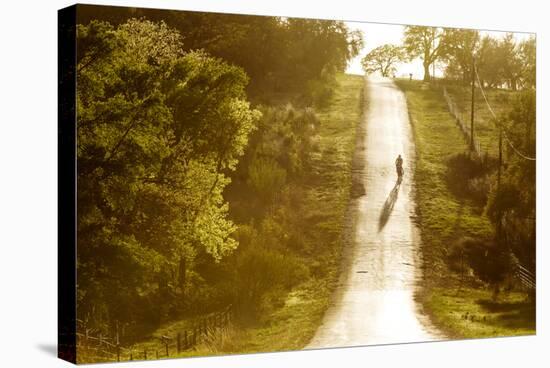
x=500 y=62
x=163 y=120
x=280 y=55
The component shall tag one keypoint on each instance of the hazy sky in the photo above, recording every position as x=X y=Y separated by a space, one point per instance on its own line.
x=377 y=34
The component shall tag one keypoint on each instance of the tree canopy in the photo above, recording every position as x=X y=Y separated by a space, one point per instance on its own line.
x=425 y=43
x=280 y=55
x=157 y=129
x=383 y=59
x=459 y=47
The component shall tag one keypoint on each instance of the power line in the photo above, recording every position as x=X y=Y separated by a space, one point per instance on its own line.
x=500 y=125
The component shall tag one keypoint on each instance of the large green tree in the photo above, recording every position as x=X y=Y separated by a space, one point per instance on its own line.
x=528 y=55
x=460 y=47
x=157 y=129
x=510 y=61
x=383 y=59
x=425 y=43
x=488 y=62
x=503 y=62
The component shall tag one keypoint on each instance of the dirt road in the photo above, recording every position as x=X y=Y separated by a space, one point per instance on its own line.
x=374 y=302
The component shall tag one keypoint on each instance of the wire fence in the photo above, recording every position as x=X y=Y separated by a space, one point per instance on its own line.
x=526 y=277
x=461 y=119
x=109 y=348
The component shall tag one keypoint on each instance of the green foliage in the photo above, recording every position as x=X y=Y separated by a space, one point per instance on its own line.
x=528 y=56
x=512 y=205
x=266 y=177
x=383 y=59
x=506 y=63
x=283 y=57
x=459 y=48
x=304 y=226
x=157 y=129
x=490 y=262
x=424 y=42
x=499 y=62
x=467 y=176
x=163 y=123
x=260 y=270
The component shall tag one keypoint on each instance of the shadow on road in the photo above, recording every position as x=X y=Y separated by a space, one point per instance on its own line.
x=388 y=205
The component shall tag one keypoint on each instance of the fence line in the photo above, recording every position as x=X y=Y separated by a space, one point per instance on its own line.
x=459 y=118
x=526 y=277
x=113 y=349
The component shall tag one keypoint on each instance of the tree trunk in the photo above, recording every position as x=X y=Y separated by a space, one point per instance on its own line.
x=182 y=271
x=514 y=84
x=426 y=72
x=466 y=76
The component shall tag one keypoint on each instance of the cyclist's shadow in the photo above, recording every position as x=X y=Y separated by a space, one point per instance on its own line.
x=388 y=205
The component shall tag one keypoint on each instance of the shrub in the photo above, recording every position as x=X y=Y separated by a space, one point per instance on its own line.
x=467 y=177
x=260 y=270
x=489 y=261
x=266 y=177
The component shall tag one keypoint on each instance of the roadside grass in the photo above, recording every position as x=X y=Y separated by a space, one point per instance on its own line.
x=471 y=313
x=327 y=196
x=292 y=325
x=288 y=328
x=444 y=218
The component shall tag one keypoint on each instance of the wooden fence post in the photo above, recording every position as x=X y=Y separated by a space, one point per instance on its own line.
x=178 y=343
x=186 y=339
x=144 y=354
x=157 y=353
x=117 y=352
x=166 y=345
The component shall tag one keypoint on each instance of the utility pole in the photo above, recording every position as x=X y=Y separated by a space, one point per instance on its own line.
x=499 y=223
x=472 y=111
x=499 y=156
x=433 y=63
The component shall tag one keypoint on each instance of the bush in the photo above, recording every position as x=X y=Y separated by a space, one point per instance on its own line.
x=489 y=261
x=259 y=271
x=478 y=188
x=266 y=177
x=467 y=176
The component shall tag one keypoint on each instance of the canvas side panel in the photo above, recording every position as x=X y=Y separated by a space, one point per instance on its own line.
x=66 y=204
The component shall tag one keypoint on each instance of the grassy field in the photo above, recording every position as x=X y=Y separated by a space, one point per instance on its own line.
x=293 y=324
x=443 y=218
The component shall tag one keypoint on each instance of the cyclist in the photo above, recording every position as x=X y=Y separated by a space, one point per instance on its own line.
x=399 y=166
